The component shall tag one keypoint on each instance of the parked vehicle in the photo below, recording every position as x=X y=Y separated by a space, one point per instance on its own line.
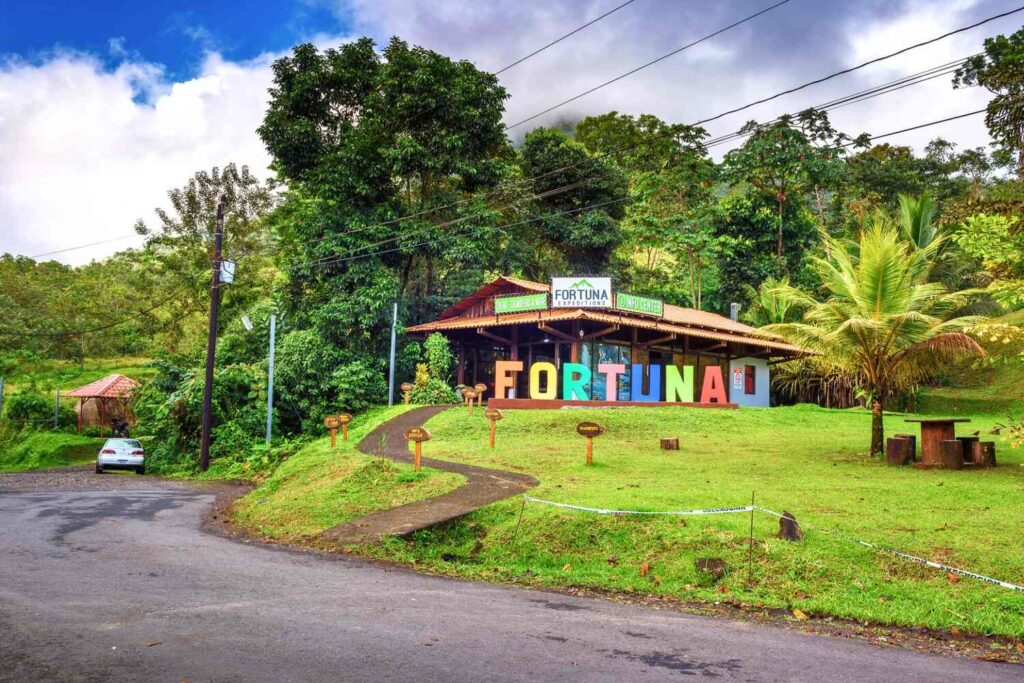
x=121 y=454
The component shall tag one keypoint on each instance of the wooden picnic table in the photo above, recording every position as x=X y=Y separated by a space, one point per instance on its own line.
x=935 y=430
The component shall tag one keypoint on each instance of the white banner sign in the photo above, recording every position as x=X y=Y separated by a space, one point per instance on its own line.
x=581 y=292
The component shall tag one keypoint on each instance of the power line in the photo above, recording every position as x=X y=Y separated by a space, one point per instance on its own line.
x=923 y=125
x=567 y=35
x=650 y=63
x=83 y=246
x=859 y=66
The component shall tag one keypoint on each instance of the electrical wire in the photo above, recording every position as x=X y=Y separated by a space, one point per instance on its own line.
x=650 y=63
x=567 y=35
x=83 y=246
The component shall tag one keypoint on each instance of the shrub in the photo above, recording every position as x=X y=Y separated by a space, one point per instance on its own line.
x=429 y=390
x=37 y=410
x=439 y=357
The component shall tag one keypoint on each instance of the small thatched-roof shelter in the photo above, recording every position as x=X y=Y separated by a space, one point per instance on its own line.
x=103 y=400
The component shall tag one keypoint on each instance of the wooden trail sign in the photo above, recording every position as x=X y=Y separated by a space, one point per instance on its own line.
x=589 y=430
x=470 y=395
x=492 y=415
x=344 y=419
x=332 y=423
x=406 y=387
x=417 y=435
x=480 y=389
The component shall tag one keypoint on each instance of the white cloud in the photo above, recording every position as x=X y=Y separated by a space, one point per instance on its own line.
x=87 y=150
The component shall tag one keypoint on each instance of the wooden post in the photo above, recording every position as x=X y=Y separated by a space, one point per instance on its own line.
x=590 y=450
x=417 y=435
x=334 y=435
x=589 y=430
x=480 y=389
x=344 y=432
x=493 y=415
x=983 y=453
x=418 y=453
x=492 y=433
x=406 y=387
x=332 y=422
x=670 y=444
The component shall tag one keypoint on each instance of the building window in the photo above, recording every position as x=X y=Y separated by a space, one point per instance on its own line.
x=749 y=379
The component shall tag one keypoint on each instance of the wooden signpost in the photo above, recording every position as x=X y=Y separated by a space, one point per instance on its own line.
x=417 y=435
x=344 y=419
x=493 y=415
x=470 y=395
x=480 y=389
x=332 y=423
x=406 y=387
x=589 y=430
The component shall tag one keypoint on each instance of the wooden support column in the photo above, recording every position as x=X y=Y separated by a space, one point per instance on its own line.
x=574 y=345
x=460 y=372
x=513 y=354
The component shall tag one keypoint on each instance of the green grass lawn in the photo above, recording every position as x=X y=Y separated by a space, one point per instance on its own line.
x=32 y=450
x=318 y=488
x=803 y=459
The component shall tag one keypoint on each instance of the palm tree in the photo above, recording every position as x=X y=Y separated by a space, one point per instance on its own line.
x=882 y=323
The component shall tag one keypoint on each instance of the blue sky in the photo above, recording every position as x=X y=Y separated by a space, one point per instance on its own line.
x=105 y=106
x=172 y=34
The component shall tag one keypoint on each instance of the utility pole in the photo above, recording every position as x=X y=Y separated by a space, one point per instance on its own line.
x=391 y=372
x=211 y=340
x=270 y=380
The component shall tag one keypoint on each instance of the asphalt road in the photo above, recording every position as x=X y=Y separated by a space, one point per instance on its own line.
x=122 y=585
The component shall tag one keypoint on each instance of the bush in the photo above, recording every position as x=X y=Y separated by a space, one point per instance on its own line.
x=429 y=390
x=37 y=410
x=439 y=356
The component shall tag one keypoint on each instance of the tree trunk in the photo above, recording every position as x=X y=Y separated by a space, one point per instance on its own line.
x=778 y=248
x=877 y=432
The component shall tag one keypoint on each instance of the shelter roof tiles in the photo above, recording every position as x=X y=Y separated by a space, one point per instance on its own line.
x=111 y=386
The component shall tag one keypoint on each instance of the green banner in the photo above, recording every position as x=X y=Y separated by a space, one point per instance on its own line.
x=639 y=304
x=518 y=304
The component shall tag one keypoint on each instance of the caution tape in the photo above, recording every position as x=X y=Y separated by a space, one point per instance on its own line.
x=748 y=508
x=623 y=513
x=908 y=556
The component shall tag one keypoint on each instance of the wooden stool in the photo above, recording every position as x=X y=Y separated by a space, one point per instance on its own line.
x=951 y=454
x=913 y=443
x=899 y=451
x=983 y=454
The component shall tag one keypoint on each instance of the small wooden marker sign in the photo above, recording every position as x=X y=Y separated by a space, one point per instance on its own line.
x=480 y=389
x=406 y=387
x=417 y=435
x=332 y=423
x=589 y=430
x=344 y=419
x=470 y=395
x=493 y=415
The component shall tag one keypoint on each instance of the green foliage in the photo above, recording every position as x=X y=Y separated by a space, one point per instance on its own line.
x=36 y=411
x=23 y=448
x=1000 y=70
x=585 y=237
x=438 y=353
x=998 y=242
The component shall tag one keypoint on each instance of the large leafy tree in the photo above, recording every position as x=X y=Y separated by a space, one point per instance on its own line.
x=1000 y=70
x=881 y=323
x=580 y=198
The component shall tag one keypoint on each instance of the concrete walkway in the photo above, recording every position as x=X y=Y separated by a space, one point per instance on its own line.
x=483 y=486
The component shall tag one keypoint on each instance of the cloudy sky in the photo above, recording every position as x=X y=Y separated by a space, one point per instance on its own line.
x=104 y=106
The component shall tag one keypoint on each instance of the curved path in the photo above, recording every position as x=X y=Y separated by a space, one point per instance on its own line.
x=483 y=486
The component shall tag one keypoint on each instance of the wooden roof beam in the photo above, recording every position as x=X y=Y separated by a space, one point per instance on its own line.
x=600 y=333
x=547 y=329
x=490 y=335
x=660 y=340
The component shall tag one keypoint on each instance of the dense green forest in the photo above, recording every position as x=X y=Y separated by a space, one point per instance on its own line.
x=394 y=180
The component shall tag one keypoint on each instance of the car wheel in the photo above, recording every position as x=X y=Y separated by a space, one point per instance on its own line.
x=140 y=470
x=99 y=469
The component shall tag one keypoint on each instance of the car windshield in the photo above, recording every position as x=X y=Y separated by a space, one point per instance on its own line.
x=130 y=443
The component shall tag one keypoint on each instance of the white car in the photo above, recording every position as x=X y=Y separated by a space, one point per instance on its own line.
x=121 y=454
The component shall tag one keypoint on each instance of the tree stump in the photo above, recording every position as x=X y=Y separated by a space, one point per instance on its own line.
x=789 y=528
x=951 y=454
x=968 y=446
x=670 y=444
x=899 y=451
x=912 y=438
x=983 y=454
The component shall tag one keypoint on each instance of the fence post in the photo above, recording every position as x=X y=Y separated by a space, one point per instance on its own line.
x=1 y=396
x=56 y=409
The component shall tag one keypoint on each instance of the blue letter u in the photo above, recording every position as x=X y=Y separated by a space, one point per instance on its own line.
x=636 y=383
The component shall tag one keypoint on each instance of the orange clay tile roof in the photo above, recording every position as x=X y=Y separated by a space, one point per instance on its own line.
x=111 y=386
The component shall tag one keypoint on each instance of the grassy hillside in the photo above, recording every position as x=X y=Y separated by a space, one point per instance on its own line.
x=802 y=459
x=318 y=488
x=32 y=450
x=47 y=375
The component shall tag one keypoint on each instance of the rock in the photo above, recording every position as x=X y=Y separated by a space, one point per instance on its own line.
x=715 y=566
